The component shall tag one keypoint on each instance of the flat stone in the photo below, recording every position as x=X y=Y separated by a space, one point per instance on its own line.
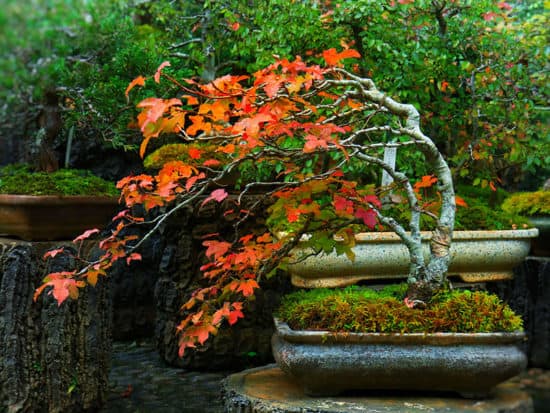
x=268 y=389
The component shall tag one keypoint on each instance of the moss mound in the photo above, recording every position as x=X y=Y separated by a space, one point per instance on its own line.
x=192 y=153
x=363 y=310
x=21 y=180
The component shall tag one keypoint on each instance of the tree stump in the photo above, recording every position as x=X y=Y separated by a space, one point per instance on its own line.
x=246 y=344
x=54 y=358
x=528 y=294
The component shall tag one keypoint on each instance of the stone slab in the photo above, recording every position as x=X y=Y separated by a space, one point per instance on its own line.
x=268 y=389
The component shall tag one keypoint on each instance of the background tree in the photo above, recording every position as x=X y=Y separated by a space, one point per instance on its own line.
x=479 y=68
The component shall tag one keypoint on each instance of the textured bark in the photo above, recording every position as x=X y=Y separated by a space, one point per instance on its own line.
x=54 y=358
x=245 y=344
x=528 y=293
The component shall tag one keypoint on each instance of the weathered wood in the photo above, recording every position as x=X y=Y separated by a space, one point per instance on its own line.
x=54 y=358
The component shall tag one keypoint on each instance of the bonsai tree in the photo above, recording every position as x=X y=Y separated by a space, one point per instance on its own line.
x=321 y=132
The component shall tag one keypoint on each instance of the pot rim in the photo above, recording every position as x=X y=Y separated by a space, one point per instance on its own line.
x=465 y=235
x=441 y=339
x=457 y=235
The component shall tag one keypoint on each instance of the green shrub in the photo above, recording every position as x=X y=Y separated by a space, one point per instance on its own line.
x=363 y=310
x=528 y=203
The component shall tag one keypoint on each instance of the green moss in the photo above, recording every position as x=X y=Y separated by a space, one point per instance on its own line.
x=528 y=203
x=180 y=152
x=357 y=309
x=21 y=180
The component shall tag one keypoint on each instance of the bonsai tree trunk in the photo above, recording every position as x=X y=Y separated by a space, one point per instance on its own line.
x=424 y=278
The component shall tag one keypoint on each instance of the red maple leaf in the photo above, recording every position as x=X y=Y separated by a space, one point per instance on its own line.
x=216 y=248
x=368 y=216
x=332 y=57
x=216 y=195
x=247 y=287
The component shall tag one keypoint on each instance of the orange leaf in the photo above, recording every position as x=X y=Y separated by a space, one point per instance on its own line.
x=460 y=202
x=138 y=81
x=191 y=100
x=251 y=125
x=133 y=257
x=53 y=253
x=86 y=235
x=236 y=314
x=216 y=248
x=332 y=57
x=247 y=287
x=211 y=162
x=198 y=124
x=228 y=149
x=427 y=181
x=194 y=153
x=157 y=73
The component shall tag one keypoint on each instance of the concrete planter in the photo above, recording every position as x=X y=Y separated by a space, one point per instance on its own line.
x=477 y=256
x=327 y=363
x=47 y=218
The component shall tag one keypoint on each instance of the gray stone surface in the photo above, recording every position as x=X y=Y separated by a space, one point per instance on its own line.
x=157 y=388
x=268 y=390
x=141 y=382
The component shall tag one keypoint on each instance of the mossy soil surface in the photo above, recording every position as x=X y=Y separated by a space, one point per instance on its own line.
x=364 y=310
x=22 y=180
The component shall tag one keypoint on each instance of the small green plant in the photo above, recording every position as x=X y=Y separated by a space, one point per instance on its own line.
x=364 y=310
x=528 y=203
x=22 y=180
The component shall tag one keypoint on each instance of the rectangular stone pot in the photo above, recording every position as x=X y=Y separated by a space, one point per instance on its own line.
x=476 y=256
x=326 y=364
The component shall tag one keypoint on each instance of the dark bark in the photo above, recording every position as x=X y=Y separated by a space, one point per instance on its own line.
x=528 y=293
x=245 y=344
x=54 y=358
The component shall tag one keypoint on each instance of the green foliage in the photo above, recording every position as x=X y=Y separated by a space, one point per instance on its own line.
x=363 y=310
x=479 y=215
x=87 y=52
x=483 y=210
x=528 y=203
x=21 y=180
x=478 y=71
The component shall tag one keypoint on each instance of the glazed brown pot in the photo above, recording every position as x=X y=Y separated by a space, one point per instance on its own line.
x=52 y=217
